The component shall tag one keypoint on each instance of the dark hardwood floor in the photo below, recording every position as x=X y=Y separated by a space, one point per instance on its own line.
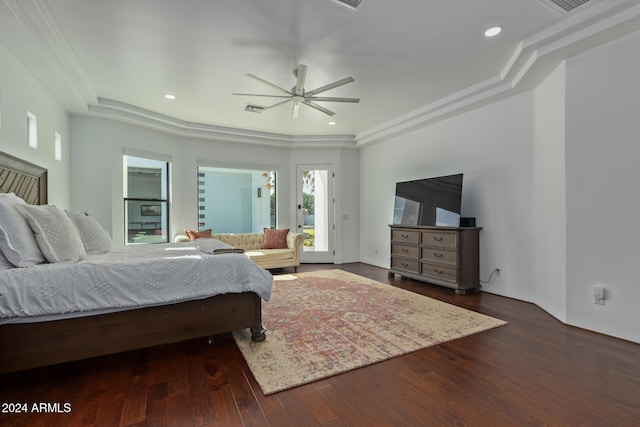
x=534 y=371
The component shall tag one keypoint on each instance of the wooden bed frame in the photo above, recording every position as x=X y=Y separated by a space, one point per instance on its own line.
x=30 y=345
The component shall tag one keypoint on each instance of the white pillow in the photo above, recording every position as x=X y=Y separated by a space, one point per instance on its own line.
x=17 y=242
x=56 y=235
x=95 y=238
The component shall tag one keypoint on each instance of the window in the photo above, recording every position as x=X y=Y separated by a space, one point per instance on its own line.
x=32 y=130
x=146 y=200
x=236 y=200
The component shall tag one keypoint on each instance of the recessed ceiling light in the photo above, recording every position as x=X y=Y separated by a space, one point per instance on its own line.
x=332 y=123
x=169 y=96
x=493 y=31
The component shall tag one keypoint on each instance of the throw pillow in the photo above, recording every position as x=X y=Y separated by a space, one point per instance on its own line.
x=275 y=239
x=17 y=242
x=96 y=239
x=56 y=235
x=194 y=234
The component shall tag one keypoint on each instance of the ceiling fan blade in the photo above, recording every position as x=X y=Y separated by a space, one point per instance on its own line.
x=302 y=75
x=257 y=94
x=335 y=84
x=267 y=83
x=318 y=107
x=277 y=104
x=332 y=99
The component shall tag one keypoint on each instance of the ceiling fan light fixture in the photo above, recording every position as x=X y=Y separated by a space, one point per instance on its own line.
x=351 y=4
x=296 y=109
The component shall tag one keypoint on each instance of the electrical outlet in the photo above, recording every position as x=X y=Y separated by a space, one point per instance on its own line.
x=598 y=295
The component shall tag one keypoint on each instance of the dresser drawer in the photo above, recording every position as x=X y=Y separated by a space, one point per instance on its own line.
x=408 y=251
x=405 y=264
x=408 y=236
x=439 y=256
x=441 y=239
x=440 y=272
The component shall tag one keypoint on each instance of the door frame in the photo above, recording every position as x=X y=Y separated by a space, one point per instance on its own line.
x=327 y=256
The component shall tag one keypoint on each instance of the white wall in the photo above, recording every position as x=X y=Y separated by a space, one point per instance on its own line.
x=98 y=144
x=347 y=212
x=603 y=198
x=21 y=92
x=550 y=175
x=348 y=208
x=493 y=147
x=549 y=196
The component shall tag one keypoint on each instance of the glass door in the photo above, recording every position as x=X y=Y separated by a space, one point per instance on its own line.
x=315 y=212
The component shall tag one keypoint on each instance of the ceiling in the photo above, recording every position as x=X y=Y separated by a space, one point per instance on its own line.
x=412 y=61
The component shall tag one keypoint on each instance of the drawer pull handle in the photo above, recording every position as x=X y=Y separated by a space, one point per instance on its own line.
x=405 y=250
x=437 y=238
x=438 y=271
x=404 y=264
x=404 y=236
x=437 y=255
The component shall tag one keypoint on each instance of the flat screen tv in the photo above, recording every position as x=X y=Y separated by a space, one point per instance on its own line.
x=429 y=201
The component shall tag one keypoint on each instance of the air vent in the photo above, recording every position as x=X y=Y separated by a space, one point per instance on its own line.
x=351 y=4
x=254 y=108
x=564 y=6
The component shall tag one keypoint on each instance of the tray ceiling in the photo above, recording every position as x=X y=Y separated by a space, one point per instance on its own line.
x=412 y=61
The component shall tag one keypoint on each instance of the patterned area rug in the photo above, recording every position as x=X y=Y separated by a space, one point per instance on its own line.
x=324 y=323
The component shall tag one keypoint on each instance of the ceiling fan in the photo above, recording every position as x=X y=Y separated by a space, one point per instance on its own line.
x=298 y=95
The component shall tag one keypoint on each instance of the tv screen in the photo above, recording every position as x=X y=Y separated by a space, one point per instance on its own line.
x=429 y=201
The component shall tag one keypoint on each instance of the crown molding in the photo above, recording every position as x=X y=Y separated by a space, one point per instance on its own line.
x=530 y=63
x=147 y=118
x=44 y=31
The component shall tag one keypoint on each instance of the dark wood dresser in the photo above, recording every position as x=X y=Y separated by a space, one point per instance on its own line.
x=445 y=256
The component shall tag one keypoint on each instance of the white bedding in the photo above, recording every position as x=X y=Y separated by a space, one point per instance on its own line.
x=126 y=277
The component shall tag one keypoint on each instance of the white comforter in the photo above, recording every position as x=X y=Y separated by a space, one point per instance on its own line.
x=127 y=277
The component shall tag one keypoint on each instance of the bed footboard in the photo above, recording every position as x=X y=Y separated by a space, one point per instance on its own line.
x=30 y=345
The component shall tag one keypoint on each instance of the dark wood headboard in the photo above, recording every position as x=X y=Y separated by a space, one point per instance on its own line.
x=26 y=180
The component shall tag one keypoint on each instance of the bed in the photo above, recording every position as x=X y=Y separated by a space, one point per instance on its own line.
x=43 y=338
